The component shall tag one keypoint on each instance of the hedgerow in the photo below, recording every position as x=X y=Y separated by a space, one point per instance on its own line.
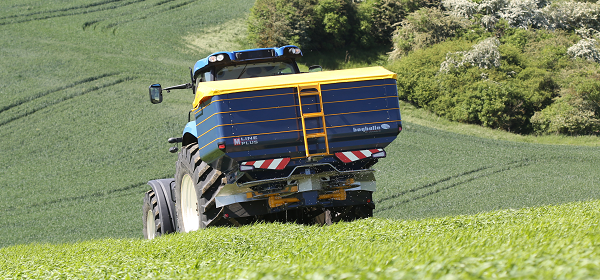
x=510 y=75
x=328 y=24
x=504 y=72
x=423 y=28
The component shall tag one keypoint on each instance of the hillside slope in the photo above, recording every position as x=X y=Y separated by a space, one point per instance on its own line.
x=79 y=138
x=550 y=242
x=430 y=172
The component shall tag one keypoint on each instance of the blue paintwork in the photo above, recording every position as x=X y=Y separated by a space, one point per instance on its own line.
x=191 y=128
x=265 y=124
x=204 y=63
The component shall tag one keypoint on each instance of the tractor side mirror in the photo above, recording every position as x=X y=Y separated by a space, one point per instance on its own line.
x=156 y=94
x=315 y=68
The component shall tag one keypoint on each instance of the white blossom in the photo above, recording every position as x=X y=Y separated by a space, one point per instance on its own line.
x=585 y=48
x=588 y=33
x=489 y=22
x=572 y=15
x=483 y=55
x=524 y=14
x=461 y=8
x=491 y=7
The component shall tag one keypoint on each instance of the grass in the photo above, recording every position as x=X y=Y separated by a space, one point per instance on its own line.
x=425 y=118
x=79 y=140
x=551 y=242
x=433 y=173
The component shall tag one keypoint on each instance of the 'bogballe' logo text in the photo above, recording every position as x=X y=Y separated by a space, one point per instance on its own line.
x=366 y=128
x=372 y=128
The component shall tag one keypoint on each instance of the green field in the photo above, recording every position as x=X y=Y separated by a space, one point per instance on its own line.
x=79 y=139
x=552 y=242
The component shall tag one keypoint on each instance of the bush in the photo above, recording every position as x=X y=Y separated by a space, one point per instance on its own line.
x=461 y=8
x=577 y=110
x=333 y=22
x=380 y=17
x=277 y=23
x=310 y=24
x=586 y=49
x=423 y=28
x=493 y=85
x=570 y=15
x=417 y=82
x=524 y=14
x=483 y=55
x=327 y=24
x=569 y=114
x=567 y=15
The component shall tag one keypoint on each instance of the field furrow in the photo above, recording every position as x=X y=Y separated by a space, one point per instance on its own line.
x=42 y=94
x=102 y=6
x=44 y=100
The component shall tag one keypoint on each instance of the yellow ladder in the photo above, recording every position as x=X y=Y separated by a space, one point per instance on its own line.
x=313 y=90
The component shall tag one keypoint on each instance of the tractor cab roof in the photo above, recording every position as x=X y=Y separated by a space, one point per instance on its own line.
x=244 y=56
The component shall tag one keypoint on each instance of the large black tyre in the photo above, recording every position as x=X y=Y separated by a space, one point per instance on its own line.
x=196 y=185
x=151 y=216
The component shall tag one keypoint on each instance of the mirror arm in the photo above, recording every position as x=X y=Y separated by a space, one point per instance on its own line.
x=182 y=86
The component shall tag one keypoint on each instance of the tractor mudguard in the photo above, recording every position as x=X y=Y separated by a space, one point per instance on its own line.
x=163 y=190
x=191 y=129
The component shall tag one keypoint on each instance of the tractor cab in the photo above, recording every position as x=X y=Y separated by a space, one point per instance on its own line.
x=247 y=64
x=242 y=64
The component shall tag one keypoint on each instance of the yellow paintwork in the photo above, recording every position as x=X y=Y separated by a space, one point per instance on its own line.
x=207 y=89
x=309 y=90
x=276 y=201
x=339 y=194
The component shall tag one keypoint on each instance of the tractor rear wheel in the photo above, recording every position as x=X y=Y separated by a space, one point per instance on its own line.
x=196 y=185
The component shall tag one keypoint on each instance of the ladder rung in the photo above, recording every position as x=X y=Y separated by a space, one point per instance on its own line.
x=312 y=115
x=317 y=154
x=307 y=93
x=316 y=135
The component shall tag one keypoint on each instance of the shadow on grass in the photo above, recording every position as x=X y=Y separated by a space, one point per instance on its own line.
x=431 y=186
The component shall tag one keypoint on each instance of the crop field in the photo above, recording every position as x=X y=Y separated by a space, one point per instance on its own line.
x=551 y=242
x=79 y=139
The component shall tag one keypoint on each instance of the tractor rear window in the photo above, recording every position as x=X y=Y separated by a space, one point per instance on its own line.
x=253 y=70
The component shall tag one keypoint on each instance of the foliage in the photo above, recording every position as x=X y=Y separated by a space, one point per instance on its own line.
x=575 y=112
x=483 y=55
x=334 y=22
x=424 y=28
x=567 y=15
x=380 y=17
x=325 y=25
x=547 y=242
x=585 y=48
x=310 y=24
x=534 y=37
x=524 y=14
x=278 y=23
x=79 y=139
x=503 y=91
x=571 y=15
